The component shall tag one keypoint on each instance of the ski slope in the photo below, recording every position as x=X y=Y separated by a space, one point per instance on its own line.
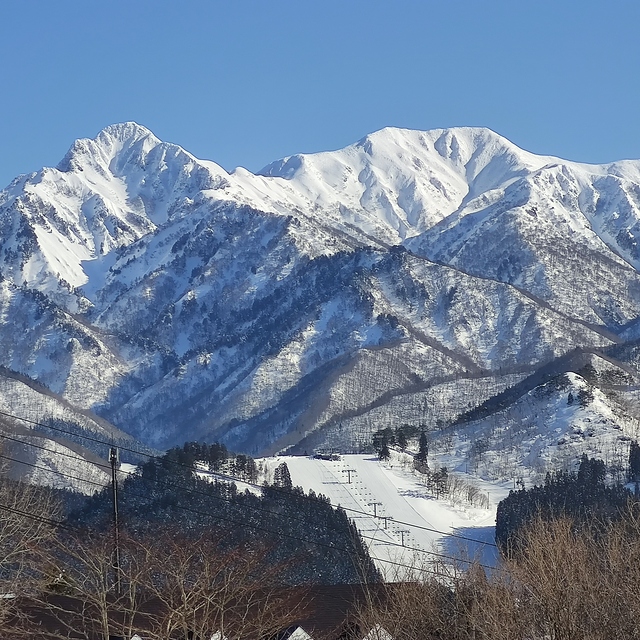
x=401 y=522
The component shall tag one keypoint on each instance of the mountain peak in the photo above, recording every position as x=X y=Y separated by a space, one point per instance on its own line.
x=106 y=145
x=183 y=301
x=455 y=144
x=124 y=131
x=397 y=133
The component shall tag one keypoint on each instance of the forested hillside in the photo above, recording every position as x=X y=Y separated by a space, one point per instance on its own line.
x=191 y=489
x=398 y=280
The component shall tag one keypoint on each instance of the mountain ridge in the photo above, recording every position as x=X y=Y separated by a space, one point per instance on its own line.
x=178 y=300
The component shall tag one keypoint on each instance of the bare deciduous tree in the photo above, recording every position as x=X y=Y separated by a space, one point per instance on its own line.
x=202 y=589
x=168 y=585
x=567 y=583
x=27 y=526
x=88 y=597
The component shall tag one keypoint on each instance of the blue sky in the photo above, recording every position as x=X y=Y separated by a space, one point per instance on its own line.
x=244 y=82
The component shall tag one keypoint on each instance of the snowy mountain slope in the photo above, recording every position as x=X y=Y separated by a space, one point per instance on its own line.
x=46 y=343
x=181 y=301
x=447 y=336
x=477 y=202
x=350 y=348
x=407 y=524
x=545 y=430
x=54 y=462
x=405 y=181
x=537 y=230
x=57 y=225
x=47 y=440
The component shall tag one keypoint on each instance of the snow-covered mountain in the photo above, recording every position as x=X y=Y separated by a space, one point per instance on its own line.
x=409 y=276
x=45 y=440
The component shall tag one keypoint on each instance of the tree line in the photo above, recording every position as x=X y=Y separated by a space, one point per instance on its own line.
x=583 y=496
x=194 y=556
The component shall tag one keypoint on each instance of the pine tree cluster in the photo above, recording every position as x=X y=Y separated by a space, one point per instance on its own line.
x=318 y=541
x=585 y=497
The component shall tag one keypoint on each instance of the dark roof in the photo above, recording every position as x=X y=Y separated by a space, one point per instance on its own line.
x=331 y=611
x=327 y=612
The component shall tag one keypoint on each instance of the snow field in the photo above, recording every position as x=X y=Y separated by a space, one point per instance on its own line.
x=402 y=524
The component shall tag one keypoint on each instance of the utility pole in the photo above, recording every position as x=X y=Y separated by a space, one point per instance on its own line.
x=349 y=472
x=375 y=507
x=386 y=519
x=402 y=532
x=113 y=459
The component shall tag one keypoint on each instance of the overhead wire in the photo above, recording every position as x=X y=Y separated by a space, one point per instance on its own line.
x=169 y=485
x=255 y=527
x=241 y=523
x=74 y=456
x=34 y=516
x=428 y=552
x=48 y=470
x=232 y=479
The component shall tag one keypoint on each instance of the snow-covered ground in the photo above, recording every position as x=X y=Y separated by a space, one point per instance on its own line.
x=403 y=524
x=546 y=430
x=202 y=471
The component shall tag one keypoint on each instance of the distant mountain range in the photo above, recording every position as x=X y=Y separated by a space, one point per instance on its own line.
x=406 y=278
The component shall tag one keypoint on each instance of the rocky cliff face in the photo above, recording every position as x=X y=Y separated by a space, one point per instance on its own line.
x=315 y=299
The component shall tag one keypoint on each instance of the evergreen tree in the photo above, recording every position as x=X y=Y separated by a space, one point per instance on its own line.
x=282 y=477
x=251 y=471
x=585 y=396
x=423 y=446
x=401 y=438
x=584 y=497
x=381 y=441
x=166 y=492
x=420 y=459
x=591 y=473
x=390 y=435
x=384 y=453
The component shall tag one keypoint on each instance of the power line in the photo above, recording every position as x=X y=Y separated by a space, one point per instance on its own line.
x=73 y=456
x=32 y=516
x=431 y=553
x=391 y=543
x=60 y=473
x=169 y=485
x=71 y=433
x=58 y=523
x=225 y=519
x=228 y=500
x=232 y=479
x=63 y=525
x=256 y=527
x=180 y=507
